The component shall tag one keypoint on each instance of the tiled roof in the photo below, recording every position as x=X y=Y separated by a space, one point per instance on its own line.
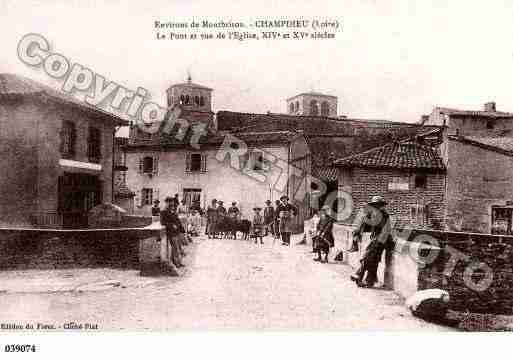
x=400 y=155
x=16 y=85
x=310 y=125
x=489 y=114
x=325 y=174
x=504 y=143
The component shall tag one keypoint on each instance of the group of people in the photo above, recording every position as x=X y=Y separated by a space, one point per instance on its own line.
x=374 y=219
x=275 y=220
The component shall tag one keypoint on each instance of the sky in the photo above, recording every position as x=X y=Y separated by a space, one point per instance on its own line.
x=392 y=60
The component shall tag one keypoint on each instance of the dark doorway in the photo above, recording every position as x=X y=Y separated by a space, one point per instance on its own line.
x=78 y=193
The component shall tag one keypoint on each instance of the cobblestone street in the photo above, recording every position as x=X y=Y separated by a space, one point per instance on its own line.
x=227 y=284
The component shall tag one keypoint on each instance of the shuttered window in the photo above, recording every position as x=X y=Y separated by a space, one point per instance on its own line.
x=195 y=162
x=94 y=145
x=149 y=165
x=68 y=139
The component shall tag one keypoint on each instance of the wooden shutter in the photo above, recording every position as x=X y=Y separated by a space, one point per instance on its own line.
x=141 y=164
x=155 y=165
x=187 y=162
x=203 y=163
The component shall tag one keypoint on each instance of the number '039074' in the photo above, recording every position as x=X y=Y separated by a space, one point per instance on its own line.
x=19 y=348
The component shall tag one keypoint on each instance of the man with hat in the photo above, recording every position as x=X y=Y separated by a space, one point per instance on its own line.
x=373 y=218
x=233 y=211
x=258 y=224
x=155 y=210
x=285 y=212
x=277 y=220
x=269 y=218
x=324 y=239
x=169 y=219
x=212 y=219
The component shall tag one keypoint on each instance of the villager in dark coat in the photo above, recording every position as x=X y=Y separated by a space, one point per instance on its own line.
x=277 y=219
x=233 y=211
x=324 y=239
x=377 y=220
x=212 y=219
x=169 y=219
x=155 y=210
x=269 y=217
x=285 y=212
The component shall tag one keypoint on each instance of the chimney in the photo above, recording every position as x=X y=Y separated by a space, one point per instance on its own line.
x=490 y=107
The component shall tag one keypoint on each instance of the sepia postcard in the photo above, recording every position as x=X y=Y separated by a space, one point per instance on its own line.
x=169 y=166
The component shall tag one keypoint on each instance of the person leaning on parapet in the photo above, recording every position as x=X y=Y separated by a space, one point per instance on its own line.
x=169 y=219
x=373 y=218
x=269 y=218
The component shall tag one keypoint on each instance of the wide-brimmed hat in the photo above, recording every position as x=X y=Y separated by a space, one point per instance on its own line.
x=284 y=197
x=377 y=200
x=234 y=203
x=268 y=201
x=156 y=201
x=169 y=199
x=257 y=209
x=220 y=202
x=214 y=200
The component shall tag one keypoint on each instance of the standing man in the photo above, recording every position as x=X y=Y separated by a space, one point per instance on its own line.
x=233 y=211
x=258 y=224
x=286 y=212
x=376 y=219
x=277 y=220
x=182 y=215
x=169 y=219
x=212 y=219
x=269 y=218
x=155 y=210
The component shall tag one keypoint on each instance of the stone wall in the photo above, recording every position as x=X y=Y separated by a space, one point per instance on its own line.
x=49 y=249
x=474 y=187
x=476 y=269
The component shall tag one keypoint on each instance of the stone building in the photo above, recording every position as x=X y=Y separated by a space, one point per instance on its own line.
x=313 y=104
x=410 y=175
x=486 y=122
x=123 y=196
x=57 y=155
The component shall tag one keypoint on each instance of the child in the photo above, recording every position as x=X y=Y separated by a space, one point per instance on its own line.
x=194 y=223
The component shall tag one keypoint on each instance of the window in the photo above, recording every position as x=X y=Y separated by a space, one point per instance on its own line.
x=314 y=108
x=149 y=165
x=197 y=100
x=68 y=138
x=191 y=196
x=182 y=100
x=257 y=161
x=325 y=109
x=419 y=215
x=297 y=106
x=147 y=197
x=94 y=145
x=501 y=220
x=420 y=181
x=292 y=107
x=196 y=162
x=202 y=101
x=490 y=124
x=187 y=99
